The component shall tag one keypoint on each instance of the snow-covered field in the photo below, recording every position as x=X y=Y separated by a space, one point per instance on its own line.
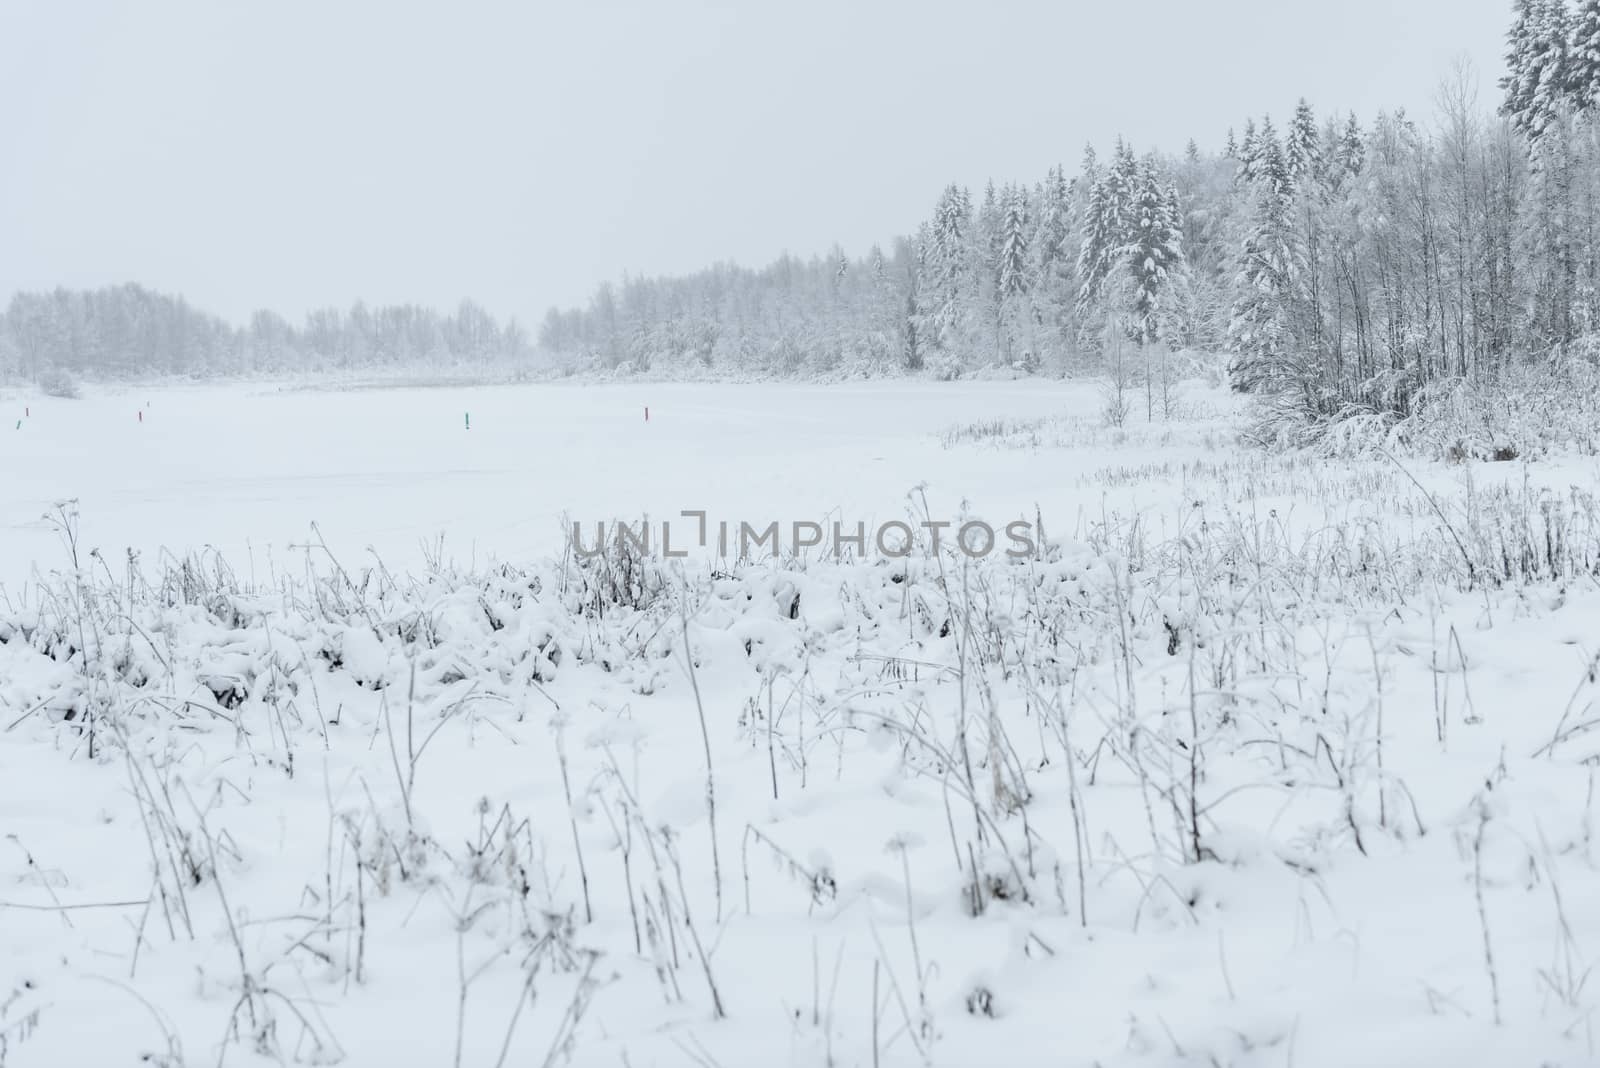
x=1258 y=761
x=248 y=469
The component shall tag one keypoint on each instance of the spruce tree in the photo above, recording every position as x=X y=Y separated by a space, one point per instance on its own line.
x=1553 y=57
x=1248 y=149
x=1539 y=77
x=1013 y=257
x=989 y=235
x=1272 y=165
x=1303 y=149
x=1583 y=72
x=1106 y=229
x=1053 y=224
x=1518 y=80
x=948 y=265
x=1099 y=231
x=1260 y=327
x=1153 y=251
x=1352 y=147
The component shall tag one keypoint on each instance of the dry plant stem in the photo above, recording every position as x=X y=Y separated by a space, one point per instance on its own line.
x=411 y=748
x=1441 y=700
x=1383 y=786
x=1194 y=765
x=946 y=759
x=1472 y=570
x=566 y=1031
x=960 y=635
x=705 y=739
x=394 y=756
x=572 y=821
x=876 y=1012
x=1591 y=671
x=524 y=995
x=174 y=1055
x=772 y=760
x=694 y=935
x=911 y=928
x=996 y=760
x=1079 y=828
x=624 y=837
x=1483 y=912
x=909 y=1026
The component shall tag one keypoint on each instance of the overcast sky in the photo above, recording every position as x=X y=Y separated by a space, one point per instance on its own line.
x=292 y=154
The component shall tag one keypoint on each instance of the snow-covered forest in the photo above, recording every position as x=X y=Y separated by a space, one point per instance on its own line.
x=1341 y=262
x=1344 y=262
x=128 y=331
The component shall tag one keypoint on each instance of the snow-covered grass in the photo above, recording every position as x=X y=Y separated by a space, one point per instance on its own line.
x=1261 y=760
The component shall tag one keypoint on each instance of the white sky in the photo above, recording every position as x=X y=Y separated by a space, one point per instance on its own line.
x=292 y=154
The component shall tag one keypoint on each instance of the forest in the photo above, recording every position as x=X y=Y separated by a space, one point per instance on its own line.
x=1338 y=265
x=1342 y=266
x=131 y=332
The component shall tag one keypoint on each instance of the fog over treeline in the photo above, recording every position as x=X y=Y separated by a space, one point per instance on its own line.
x=128 y=331
x=1342 y=260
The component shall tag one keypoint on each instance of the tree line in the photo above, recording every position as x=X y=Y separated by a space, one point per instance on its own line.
x=1342 y=265
x=128 y=332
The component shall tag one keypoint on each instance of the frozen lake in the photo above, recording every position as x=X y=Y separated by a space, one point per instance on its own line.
x=248 y=469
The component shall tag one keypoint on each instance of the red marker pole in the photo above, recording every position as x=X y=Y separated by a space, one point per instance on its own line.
x=647 y=413
x=141 y=415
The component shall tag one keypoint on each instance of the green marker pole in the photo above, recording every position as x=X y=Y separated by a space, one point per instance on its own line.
x=469 y=420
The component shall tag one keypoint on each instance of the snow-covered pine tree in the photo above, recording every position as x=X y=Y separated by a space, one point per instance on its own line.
x=1154 y=250
x=1052 y=225
x=1053 y=263
x=1583 y=71
x=1015 y=281
x=882 y=324
x=1099 y=235
x=1552 y=92
x=1518 y=80
x=1248 y=151
x=1303 y=147
x=989 y=236
x=1106 y=229
x=949 y=267
x=1260 y=327
x=1154 y=256
x=1352 y=147
x=1013 y=240
x=1538 y=78
x=921 y=302
x=1328 y=176
x=1272 y=166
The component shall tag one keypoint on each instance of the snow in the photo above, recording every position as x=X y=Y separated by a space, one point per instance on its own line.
x=1243 y=770
x=247 y=470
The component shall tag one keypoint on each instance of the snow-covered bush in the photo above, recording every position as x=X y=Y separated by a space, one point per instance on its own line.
x=1524 y=414
x=1527 y=414
x=943 y=367
x=58 y=383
